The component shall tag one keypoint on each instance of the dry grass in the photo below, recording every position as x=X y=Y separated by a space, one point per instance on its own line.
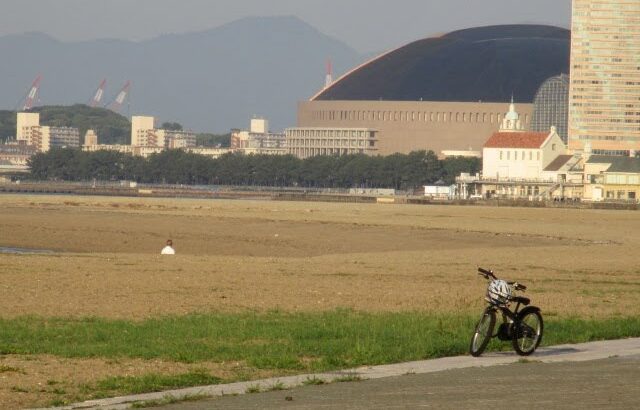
x=242 y=255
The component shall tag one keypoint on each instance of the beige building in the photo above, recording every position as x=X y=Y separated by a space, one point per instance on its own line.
x=612 y=178
x=139 y=128
x=258 y=139
x=30 y=132
x=24 y=121
x=45 y=138
x=405 y=126
x=90 y=138
x=604 y=98
x=309 y=142
x=144 y=134
x=16 y=153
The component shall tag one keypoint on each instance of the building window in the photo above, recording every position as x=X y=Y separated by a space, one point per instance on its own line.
x=500 y=154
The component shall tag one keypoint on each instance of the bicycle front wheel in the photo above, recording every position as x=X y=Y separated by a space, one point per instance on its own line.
x=527 y=331
x=483 y=332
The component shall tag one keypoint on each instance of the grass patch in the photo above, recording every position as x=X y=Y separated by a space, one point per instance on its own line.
x=347 y=378
x=278 y=341
x=152 y=382
x=10 y=369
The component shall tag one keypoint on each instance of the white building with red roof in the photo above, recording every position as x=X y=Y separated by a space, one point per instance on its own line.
x=515 y=154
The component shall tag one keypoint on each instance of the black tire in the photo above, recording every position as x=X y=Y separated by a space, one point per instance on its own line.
x=482 y=333
x=527 y=331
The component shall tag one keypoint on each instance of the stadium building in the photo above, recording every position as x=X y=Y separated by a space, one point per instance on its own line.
x=443 y=93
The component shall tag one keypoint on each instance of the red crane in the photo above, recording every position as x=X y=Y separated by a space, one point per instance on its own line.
x=116 y=105
x=32 y=96
x=97 y=97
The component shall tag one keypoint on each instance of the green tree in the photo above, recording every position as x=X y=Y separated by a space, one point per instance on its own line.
x=171 y=126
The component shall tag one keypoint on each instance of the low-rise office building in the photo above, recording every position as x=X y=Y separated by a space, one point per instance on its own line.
x=309 y=142
x=612 y=178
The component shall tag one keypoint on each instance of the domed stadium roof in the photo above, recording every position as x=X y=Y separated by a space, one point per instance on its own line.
x=487 y=64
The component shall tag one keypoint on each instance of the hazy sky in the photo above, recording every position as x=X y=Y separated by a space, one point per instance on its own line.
x=366 y=25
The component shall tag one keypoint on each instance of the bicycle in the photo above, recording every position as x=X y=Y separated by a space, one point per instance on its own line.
x=523 y=328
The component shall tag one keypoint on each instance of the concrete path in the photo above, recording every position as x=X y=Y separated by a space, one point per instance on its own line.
x=588 y=352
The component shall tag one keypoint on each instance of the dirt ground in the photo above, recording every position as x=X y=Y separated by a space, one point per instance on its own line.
x=257 y=255
x=243 y=255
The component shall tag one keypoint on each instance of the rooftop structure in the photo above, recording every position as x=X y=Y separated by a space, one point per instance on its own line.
x=477 y=64
x=551 y=106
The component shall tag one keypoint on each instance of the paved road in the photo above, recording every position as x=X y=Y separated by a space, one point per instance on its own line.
x=610 y=383
x=596 y=374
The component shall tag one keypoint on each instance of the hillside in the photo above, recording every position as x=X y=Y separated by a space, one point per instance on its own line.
x=212 y=80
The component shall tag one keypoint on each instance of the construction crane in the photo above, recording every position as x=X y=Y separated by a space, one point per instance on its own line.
x=32 y=96
x=116 y=105
x=97 y=97
x=329 y=78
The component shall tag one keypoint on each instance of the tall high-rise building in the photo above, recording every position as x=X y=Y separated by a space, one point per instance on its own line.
x=140 y=124
x=551 y=106
x=604 y=101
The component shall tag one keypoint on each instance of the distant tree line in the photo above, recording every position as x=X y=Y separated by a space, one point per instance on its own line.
x=7 y=125
x=397 y=171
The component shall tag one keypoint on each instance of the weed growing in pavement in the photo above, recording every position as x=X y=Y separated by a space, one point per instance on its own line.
x=277 y=386
x=313 y=381
x=168 y=400
x=350 y=377
x=524 y=360
x=253 y=389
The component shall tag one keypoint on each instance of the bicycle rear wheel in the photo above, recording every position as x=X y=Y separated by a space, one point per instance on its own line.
x=483 y=332
x=527 y=331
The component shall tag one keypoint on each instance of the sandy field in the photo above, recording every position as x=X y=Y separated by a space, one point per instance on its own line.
x=237 y=256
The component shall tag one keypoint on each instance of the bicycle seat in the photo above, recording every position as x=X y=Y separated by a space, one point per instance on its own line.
x=522 y=300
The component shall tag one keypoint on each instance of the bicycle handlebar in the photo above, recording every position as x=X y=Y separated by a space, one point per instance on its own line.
x=519 y=286
x=486 y=273
x=489 y=274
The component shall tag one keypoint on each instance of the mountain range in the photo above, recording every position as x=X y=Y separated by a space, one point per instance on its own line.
x=212 y=80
